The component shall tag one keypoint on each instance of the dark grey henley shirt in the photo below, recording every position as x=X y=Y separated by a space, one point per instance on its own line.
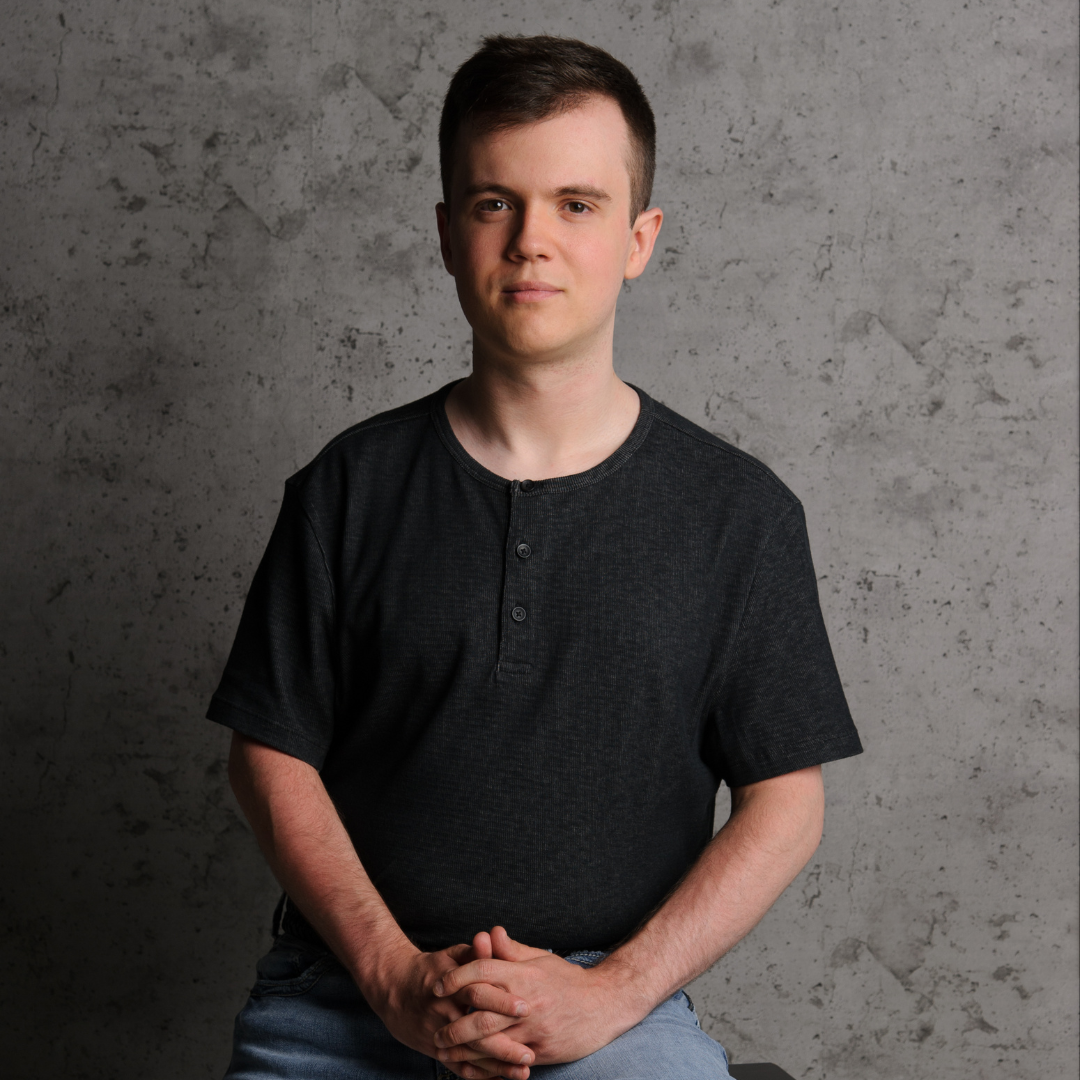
x=522 y=696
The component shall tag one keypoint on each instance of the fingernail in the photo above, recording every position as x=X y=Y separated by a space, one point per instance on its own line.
x=438 y=988
x=438 y=1039
x=524 y=1059
x=521 y=1009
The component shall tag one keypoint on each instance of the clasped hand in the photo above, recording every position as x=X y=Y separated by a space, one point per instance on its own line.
x=568 y=1011
x=402 y=994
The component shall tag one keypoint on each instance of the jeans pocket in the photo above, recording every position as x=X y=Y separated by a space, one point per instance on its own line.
x=689 y=1001
x=290 y=968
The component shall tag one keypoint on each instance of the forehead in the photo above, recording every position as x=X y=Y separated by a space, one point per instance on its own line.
x=588 y=143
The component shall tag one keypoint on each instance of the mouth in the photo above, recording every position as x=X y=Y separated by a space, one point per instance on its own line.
x=524 y=292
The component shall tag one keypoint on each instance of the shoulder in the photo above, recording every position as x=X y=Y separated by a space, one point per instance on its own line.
x=377 y=442
x=702 y=461
x=356 y=474
x=392 y=426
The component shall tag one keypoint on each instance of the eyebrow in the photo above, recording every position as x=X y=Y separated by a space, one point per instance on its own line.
x=587 y=190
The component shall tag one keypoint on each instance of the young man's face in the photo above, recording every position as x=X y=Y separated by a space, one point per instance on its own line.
x=538 y=233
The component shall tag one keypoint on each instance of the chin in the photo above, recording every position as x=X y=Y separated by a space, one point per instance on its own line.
x=537 y=347
x=526 y=342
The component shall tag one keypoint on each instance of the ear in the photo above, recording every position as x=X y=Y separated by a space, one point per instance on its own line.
x=643 y=239
x=442 y=219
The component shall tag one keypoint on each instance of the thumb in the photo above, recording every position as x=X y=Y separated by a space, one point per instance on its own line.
x=504 y=947
x=482 y=946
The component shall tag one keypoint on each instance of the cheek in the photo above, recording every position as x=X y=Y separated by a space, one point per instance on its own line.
x=475 y=253
x=601 y=264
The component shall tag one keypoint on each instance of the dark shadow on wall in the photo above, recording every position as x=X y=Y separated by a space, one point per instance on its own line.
x=135 y=901
x=143 y=453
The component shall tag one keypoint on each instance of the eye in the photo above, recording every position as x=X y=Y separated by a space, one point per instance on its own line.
x=577 y=207
x=494 y=205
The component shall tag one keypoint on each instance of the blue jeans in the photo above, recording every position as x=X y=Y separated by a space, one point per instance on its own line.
x=306 y=1020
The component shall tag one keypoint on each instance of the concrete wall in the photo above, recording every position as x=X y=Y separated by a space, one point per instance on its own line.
x=217 y=249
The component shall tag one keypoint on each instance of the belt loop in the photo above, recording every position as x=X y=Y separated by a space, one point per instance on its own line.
x=279 y=912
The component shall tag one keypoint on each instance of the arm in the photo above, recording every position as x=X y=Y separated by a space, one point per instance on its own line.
x=774 y=828
x=311 y=855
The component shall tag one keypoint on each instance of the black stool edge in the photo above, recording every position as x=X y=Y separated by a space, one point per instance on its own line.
x=758 y=1071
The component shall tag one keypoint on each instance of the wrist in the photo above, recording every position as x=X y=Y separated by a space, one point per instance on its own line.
x=381 y=972
x=618 y=988
x=624 y=992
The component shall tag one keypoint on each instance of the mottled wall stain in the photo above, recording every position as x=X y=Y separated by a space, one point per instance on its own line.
x=217 y=249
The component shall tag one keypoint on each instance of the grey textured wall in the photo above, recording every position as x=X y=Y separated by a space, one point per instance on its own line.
x=217 y=249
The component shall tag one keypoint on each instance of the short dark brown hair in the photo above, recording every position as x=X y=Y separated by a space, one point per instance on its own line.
x=520 y=80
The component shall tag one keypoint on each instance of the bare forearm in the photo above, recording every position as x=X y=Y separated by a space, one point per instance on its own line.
x=311 y=855
x=773 y=830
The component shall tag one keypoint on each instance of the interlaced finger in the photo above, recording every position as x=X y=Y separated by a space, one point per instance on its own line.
x=486 y=1068
x=492 y=999
x=500 y=1047
x=478 y=971
x=479 y=1025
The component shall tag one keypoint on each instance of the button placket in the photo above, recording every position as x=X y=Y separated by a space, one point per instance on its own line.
x=515 y=636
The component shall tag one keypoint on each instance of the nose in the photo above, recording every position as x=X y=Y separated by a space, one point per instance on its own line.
x=531 y=240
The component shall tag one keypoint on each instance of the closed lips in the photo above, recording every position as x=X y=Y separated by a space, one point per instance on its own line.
x=525 y=290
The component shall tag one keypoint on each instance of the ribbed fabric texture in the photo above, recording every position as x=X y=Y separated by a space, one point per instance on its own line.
x=534 y=735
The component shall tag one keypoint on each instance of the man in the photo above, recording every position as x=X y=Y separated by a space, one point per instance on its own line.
x=505 y=643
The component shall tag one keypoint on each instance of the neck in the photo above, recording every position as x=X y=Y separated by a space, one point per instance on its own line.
x=534 y=422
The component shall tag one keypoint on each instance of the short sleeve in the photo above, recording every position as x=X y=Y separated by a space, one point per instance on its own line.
x=278 y=685
x=781 y=706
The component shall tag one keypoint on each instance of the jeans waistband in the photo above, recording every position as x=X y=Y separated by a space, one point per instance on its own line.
x=289 y=921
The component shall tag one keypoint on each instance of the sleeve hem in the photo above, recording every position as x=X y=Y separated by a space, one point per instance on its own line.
x=265 y=730
x=794 y=762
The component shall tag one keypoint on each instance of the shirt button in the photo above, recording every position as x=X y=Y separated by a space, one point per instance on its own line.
x=518 y=613
x=523 y=550
x=525 y=485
